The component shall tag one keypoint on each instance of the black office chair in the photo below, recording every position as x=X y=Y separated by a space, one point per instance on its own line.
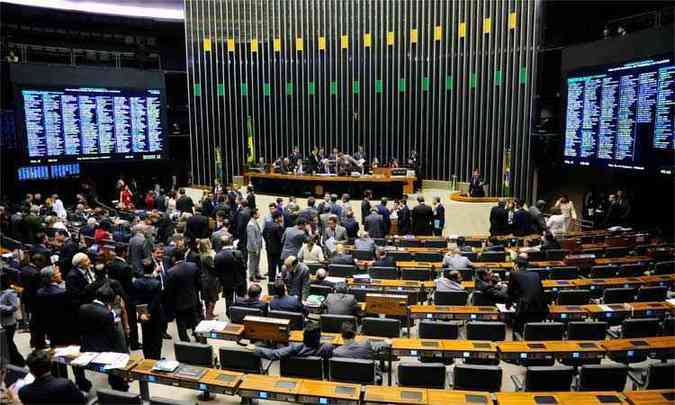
x=470 y=255
x=587 y=330
x=384 y=273
x=618 y=295
x=438 y=329
x=619 y=251
x=469 y=377
x=403 y=242
x=536 y=256
x=342 y=270
x=544 y=331
x=658 y=376
x=543 y=272
x=640 y=327
x=647 y=294
x=435 y=243
x=467 y=274
x=556 y=254
x=538 y=379
x=416 y=274
x=381 y=327
x=451 y=297
x=401 y=256
x=484 y=330
x=354 y=371
x=318 y=289
x=669 y=327
x=360 y=254
x=604 y=271
x=480 y=299
x=564 y=273
x=427 y=375
x=380 y=241
x=196 y=354
x=113 y=397
x=313 y=267
x=573 y=297
x=602 y=378
x=297 y=319
x=429 y=257
x=632 y=270
x=310 y=367
x=242 y=360
x=664 y=268
x=165 y=401
x=237 y=314
x=333 y=323
x=492 y=257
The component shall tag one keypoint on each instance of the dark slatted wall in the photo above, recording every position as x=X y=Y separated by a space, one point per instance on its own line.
x=452 y=80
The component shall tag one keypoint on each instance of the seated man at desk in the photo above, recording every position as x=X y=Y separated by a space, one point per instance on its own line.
x=311 y=252
x=492 y=289
x=382 y=259
x=310 y=346
x=320 y=279
x=283 y=302
x=341 y=257
x=341 y=303
x=453 y=260
x=451 y=283
x=462 y=246
x=364 y=242
x=252 y=299
x=364 y=350
x=47 y=389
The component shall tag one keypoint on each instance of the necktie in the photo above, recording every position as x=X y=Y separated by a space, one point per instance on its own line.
x=90 y=278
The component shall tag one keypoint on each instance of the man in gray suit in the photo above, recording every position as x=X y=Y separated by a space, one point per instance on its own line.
x=374 y=224
x=254 y=246
x=351 y=349
x=140 y=248
x=364 y=242
x=335 y=231
x=341 y=303
x=293 y=239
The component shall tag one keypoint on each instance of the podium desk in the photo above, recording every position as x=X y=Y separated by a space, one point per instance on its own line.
x=651 y=397
x=436 y=396
x=222 y=381
x=454 y=312
x=231 y=332
x=515 y=351
x=567 y=313
x=377 y=394
x=651 y=309
x=327 y=392
x=608 y=311
x=665 y=280
x=560 y=398
x=267 y=387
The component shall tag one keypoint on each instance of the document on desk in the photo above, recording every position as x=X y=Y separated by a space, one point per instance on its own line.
x=338 y=280
x=84 y=359
x=210 y=326
x=112 y=360
x=502 y=308
x=68 y=351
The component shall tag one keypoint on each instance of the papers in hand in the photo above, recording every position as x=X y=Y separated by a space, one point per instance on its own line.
x=502 y=308
x=210 y=326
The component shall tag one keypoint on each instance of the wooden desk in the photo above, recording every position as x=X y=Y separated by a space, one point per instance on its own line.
x=651 y=309
x=457 y=397
x=454 y=312
x=603 y=261
x=608 y=311
x=565 y=313
x=515 y=351
x=661 y=346
x=664 y=280
x=407 y=183
x=377 y=394
x=222 y=381
x=651 y=397
x=559 y=398
x=447 y=348
x=327 y=392
x=270 y=387
x=231 y=332
x=393 y=285
x=614 y=282
x=488 y=265
x=144 y=373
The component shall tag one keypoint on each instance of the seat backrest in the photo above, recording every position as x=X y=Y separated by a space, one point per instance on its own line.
x=669 y=327
x=302 y=367
x=543 y=272
x=492 y=257
x=477 y=378
x=342 y=270
x=660 y=376
x=426 y=375
x=384 y=273
x=595 y=377
x=429 y=257
x=417 y=274
x=467 y=274
x=237 y=314
x=564 y=273
x=363 y=254
x=638 y=328
x=620 y=251
x=313 y=267
x=355 y=371
x=471 y=256
x=544 y=331
x=436 y=243
x=297 y=319
x=318 y=289
x=555 y=378
x=484 y=330
x=383 y=327
x=655 y=293
x=618 y=295
x=451 y=297
x=556 y=254
x=242 y=360
x=401 y=256
x=604 y=271
x=573 y=297
x=663 y=268
x=333 y=323
x=360 y=293
x=480 y=299
x=429 y=329
x=403 y=242
x=586 y=330
x=114 y=397
x=536 y=255
x=196 y=354
x=632 y=270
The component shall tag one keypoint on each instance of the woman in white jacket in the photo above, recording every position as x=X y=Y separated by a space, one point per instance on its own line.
x=567 y=210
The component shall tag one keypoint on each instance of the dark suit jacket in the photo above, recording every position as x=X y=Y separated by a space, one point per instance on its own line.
x=525 y=289
x=251 y=303
x=422 y=220
x=184 y=204
x=78 y=291
x=287 y=303
x=499 y=221
x=182 y=287
x=40 y=249
x=439 y=215
x=352 y=227
x=122 y=271
x=365 y=210
x=48 y=389
x=522 y=223
x=197 y=227
x=97 y=328
x=272 y=233
x=30 y=281
x=404 y=220
x=374 y=225
x=55 y=317
x=342 y=258
x=229 y=266
x=388 y=261
x=68 y=250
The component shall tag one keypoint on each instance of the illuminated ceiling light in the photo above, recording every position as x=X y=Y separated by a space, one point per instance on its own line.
x=110 y=7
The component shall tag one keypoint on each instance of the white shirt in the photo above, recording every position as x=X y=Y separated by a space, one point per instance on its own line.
x=59 y=209
x=314 y=255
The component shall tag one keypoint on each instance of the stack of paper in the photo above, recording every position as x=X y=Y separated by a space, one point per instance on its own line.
x=210 y=326
x=112 y=360
x=84 y=359
x=68 y=351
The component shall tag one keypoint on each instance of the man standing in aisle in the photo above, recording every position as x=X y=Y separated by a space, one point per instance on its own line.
x=254 y=246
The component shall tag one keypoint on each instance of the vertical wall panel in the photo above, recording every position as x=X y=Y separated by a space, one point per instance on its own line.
x=458 y=96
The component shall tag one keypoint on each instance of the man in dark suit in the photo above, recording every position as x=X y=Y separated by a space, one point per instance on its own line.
x=422 y=218
x=30 y=280
x=68 y=249
x=52 y=312
x=182 y=294
x=139 y=249
x=352 y=349
x=522 y=220
x=184 y=202
x=47 y=389
x=439 y=216
x=283 y=302
x=252 y=299
x=341 y=257
x=476 y=185
x=273 y=232
x=365 y=205
x=382 y=260
x=41 y=246
x=231 y=270
x=526 y=291
x=374 y=224
x=384 y=211
x=350 y=224
x=403 y=216
x=499 y=219
x=241 y=217
x=118 y=269
x=97 y=330
x=341 y=303
x=197 y=227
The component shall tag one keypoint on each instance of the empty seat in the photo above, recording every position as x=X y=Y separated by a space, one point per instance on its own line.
x=587 y=330
x=333 y=323
x=632 y=270
x=114 y=397
x=657 y=293
x=436 y=243
x=403 y=242
x=310 y=367
x=536 y=256
x=342 y=270
x=618 y=295
x=361 y=254
x=669 y=327
x=573 y=297
x=297 y=319
x=483 y=330
x=382 y=327
x=429 y=375
x=318 y=289
x=429 y=257
x=660 y=376
x=470 y=377
x=417 y=274
x=384 y=273
x=604 y=271
x=438 y=329
x=451 y=297
x=619 y=251
x=492 y=257
x=355 y=371
x=237 y=314
x=556 y=254
x=401 y=256
x=602 y=378
x=480 y=299
x=663 y=268
x=544 y=331
x=564 y=273
x=638 y=328
x=197 y=354
x=554 y=378
x=242 y=360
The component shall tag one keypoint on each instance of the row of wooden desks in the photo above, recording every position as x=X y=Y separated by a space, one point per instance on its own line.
x=538 y=264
